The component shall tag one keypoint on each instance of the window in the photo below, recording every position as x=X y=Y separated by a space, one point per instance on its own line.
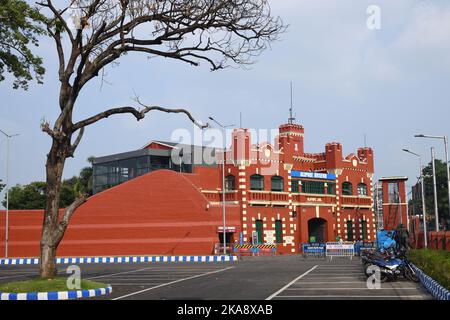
x=230 y=183
x=259 y=229
x=277 y=184
x=315 y=187
x=127 y=169
x=296 y=186
x=393 y=192
x=143 y=164
x=349 y=230
x=279 y=231
x=347 y=189
x=159 y=162
x=257 y=182
x=362 y=189
x=331 y=188
x=363 y=230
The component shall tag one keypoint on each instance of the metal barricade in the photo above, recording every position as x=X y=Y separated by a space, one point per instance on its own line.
x=314 y=250
x=340 y=249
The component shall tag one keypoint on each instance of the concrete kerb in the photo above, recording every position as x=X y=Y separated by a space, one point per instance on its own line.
x=436 y=290
x=57 y=295
x=121 y=259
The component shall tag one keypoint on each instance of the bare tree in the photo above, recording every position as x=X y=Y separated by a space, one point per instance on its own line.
x=220 y=33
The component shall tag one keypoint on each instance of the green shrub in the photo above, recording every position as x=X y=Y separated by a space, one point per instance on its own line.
x=435 y=263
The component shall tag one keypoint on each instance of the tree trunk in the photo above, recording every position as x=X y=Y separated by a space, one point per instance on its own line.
x=50 y=236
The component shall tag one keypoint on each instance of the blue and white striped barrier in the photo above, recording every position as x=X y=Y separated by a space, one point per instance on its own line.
x=436 y=290
x=123 y=259
x=56 y=295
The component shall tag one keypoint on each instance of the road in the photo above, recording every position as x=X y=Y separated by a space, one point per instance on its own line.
x=254 y=278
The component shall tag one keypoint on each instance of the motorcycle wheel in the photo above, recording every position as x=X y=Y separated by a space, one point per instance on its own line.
x=383 y=277
x=366 y=269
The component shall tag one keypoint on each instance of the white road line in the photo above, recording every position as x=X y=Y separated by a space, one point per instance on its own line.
x=146 y=279
x=326 y=289
x=164 y=273
x=333 y=277
x=169 y=283
x=329 y=282
x=290 y=283
x=336 y=273
x=341 y=296
x=113 y=274
x=135 y=284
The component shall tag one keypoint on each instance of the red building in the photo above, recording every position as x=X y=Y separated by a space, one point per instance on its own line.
x=395 y=206
x=275 y=194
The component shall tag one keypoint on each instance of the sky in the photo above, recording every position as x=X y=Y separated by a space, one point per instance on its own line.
x=349 y=82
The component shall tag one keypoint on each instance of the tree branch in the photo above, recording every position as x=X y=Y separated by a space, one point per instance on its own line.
x=75 y=144
x=138 y=114
x=64 y=222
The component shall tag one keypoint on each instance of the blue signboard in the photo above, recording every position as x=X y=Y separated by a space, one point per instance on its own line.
x=313 y=175
x=313 y=248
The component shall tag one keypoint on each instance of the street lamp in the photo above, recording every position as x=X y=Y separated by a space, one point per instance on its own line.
x=436 y=210
x=446 y=159
x=223 y=182
x=425 y=240
x=8 y=136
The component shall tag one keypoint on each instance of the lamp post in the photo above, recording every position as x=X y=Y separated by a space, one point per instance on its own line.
x=436 y=210
x=446 y=159
x=425 y=240
x=8 y=136
x=223 y=183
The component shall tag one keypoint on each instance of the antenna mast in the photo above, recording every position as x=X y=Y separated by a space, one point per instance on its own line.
x=291 y=117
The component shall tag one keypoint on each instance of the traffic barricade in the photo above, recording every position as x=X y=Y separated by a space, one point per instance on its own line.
x=340 y=249
x=255 y=249
x=361 y=246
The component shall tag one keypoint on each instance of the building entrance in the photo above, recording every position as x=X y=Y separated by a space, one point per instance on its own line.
x=317 y=230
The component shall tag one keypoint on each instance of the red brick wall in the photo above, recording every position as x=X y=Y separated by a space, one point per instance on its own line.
x=159 y=213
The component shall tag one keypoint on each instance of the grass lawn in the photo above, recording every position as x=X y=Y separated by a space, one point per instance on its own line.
x=40 y=285
x=435 y=263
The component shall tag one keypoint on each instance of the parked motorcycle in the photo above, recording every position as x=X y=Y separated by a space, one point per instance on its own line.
x=391 y=268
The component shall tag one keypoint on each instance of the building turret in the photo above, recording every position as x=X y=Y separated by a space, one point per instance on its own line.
x=366 y=155
x=241 y=144
x=291 y=140
x=333 y=152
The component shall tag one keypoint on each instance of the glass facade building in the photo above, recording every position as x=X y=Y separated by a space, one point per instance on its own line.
x=112 y=170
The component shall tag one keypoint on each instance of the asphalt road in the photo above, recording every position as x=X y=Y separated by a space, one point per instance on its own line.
x=254 y=278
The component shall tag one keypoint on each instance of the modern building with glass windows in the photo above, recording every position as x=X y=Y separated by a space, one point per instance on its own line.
x=112 y=170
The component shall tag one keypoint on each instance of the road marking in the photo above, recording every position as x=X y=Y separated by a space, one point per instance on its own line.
x=328 y=282
x=114 y=274
x=169 y=283
x=135 y=284
x=290 y=283
x=341 y=296
x=336 y=273
x=322 y=289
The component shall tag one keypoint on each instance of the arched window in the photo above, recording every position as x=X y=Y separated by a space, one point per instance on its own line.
x=347 y=189
x=230 y=183
x=257 y=182
x=277 y=184
x=362 y=189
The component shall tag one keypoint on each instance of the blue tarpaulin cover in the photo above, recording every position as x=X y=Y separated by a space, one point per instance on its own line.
x=382 y=236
